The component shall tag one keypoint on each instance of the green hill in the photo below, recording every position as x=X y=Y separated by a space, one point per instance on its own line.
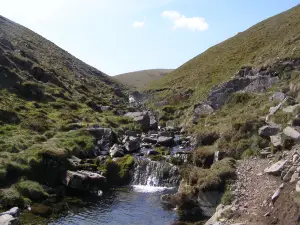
x=140 y=79
x=275 y=38
x=48 y=99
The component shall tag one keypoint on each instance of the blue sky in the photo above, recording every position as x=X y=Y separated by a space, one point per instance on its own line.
x=118 y=36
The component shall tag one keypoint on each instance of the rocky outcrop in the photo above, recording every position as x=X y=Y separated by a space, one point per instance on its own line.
x=84 y=180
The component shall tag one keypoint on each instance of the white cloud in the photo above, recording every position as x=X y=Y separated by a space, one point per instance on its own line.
x=180 y=21
x=138 y=24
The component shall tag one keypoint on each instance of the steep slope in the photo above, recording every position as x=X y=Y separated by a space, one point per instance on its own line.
x=140 y=79
x=264 y=43
x=52 y=106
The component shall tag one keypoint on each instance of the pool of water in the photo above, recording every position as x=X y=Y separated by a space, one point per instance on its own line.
x=138 y=205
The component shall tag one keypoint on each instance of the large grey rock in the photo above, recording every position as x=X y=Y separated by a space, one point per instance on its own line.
x=268 y=130
x=276 y=168
x=165 y=141
x=278 y=97
x=202 y=109
x=84 y=180
x=292 y=133
x=132 y=144
x=116 y=151
x=261 y=84
x=141 y=118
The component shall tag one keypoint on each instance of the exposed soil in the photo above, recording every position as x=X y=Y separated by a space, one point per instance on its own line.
x=253 y=191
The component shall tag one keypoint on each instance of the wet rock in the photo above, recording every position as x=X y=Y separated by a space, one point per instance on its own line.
x=268 y=130
x=292 y=133
x=276 y=168
x=165 y=141
x=116 y=151
x=84 y=180
x=132 y=144
x=141 y=118
x=152 y=152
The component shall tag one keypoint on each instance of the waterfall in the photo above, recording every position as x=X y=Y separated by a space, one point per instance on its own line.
x=150 y=176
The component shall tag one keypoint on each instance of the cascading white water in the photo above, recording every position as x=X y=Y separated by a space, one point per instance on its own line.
x=153 y=176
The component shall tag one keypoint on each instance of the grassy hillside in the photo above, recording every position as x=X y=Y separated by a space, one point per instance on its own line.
x=275 y=38
x=140 y=79
x=44 y=93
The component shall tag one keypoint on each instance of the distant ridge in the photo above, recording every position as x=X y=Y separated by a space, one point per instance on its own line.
x=140 y=79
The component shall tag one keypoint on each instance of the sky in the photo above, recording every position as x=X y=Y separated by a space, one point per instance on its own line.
x=119 y=36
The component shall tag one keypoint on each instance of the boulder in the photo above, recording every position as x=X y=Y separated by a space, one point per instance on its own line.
x=276 y=168
x=268 y=130
x=165 y=141
x=150 y=140
x=218 y=214
x=278 y=97
x=7 y=219
x=292 y=133
x=84 y=180
x=116 y=151
x=141 y=118
x=132 y=144
x=276 y=140
x=201 y=109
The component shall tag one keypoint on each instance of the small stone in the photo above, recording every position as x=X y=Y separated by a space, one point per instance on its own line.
x=267 y=214
x=275 y=195
x=298 y=186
